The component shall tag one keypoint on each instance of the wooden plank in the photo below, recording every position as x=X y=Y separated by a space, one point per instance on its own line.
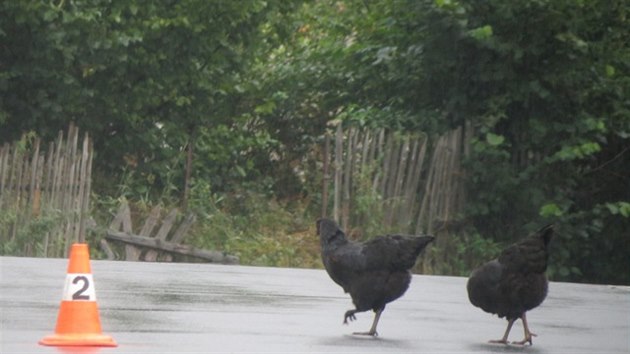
x=126 y=220
x=17 y=182
x=48 y=177
x=151 y=221
x=33 y=180
x=118 y=218
x=4 y=155
x=167 y=225
x=413 y=185
x=402 y=167
x=388 y=153
x=58 y=173
x=47 y=195
x=424 y=204
x=123 y=220
x=132 y=253
x=392 y=170
x=378 y=154
x=88 y=181
x=183 y=228
x=11 y=162
x=108 y=250
x=152 y=242
x=325 y=176
x=36 y=192
x=408 y=192
x=73 y=141
x=365 y=146
x=338 y=167
x=439 y=160
x=4 y=166
x=189 y=167
x=57 y=194
x=397 y=184
x=22 y=197
x=81 y=201
x=450 y=188
x=347 y=181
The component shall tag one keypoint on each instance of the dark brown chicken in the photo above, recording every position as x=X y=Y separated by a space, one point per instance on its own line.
x=374 y=273
x=514 y=283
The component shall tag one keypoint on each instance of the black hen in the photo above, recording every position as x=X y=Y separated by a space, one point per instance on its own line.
x=514 y=283
x=375 y=272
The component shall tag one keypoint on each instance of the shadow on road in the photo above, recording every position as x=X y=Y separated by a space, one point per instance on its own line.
x=358 y=341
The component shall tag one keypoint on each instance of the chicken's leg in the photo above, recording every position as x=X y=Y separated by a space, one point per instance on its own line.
x=528 y=333
x=372 y=331
x=507 y=332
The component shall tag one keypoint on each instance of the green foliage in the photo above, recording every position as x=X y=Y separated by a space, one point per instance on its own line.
x=141 y=78
x=33 y=235
x=472 y=251
x=542 y=84
x=257 y=230
x=591 y=244
x=551 y=118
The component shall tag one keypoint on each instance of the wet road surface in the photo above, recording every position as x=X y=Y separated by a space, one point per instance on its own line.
x=200 y=308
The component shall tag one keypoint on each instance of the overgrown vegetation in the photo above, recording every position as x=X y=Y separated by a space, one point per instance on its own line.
x=258 y=229
x=247 y=90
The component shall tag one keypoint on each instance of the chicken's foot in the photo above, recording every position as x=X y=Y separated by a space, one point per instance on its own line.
x=505 y=335
x=528 y=333
x=372 y=332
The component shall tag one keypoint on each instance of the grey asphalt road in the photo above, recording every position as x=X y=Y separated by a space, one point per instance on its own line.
x=200 y=308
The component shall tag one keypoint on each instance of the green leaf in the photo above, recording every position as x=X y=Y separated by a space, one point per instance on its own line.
x=483 y=32
x=612 y=208
x=610 y=70
x=550 y=210
x=590 y=148
x=622 y=208
x=265 y=108
x=579 y=151
x=494 y=139
x=50 y=15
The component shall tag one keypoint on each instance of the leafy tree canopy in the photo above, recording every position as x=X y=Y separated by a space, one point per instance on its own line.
x=141 y=76
x=249 y=86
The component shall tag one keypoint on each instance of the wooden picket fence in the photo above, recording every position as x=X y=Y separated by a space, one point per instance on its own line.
x=416 y=180
x=44 y=194
x=405 y=183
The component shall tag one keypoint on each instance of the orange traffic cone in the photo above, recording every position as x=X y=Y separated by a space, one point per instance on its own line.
x=78 y=323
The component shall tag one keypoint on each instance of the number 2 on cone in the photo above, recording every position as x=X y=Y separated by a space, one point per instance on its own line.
x=78 y=295
x=79 y=287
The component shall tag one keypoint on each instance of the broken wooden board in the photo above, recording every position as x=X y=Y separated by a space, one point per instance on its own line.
x=157 y=244
x=144 y=246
